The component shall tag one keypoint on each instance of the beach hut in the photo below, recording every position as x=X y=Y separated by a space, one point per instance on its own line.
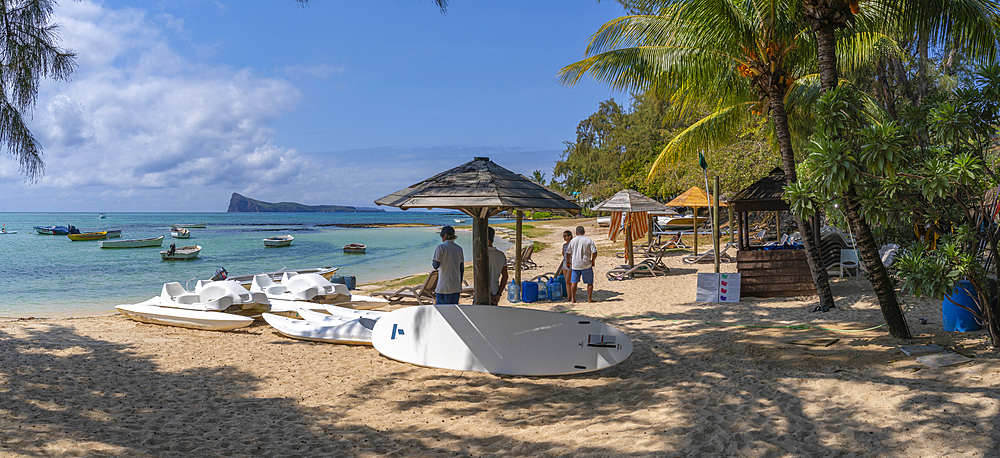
x=694 y=198
x=765 y=272
x=629 y=215
x=480 y=188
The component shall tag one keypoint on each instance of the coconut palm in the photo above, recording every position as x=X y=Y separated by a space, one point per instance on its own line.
x=968 y=25
x=746 y=55
x=28 y=52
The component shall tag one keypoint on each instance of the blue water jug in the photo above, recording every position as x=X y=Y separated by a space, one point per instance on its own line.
x=529 y=291
x=555 y=290
x=513 y=292
x=562 y=283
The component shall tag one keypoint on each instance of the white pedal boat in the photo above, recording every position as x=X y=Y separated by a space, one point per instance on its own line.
x=320 y=327
x=147 y=312
x=295 y=290
x=217 y=306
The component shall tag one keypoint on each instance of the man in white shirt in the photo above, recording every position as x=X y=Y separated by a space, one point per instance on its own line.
x=582 y=253
x=449 y=260
x=498 y=268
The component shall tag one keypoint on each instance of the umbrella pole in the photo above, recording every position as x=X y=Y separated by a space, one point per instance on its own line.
x=694 y=211
x=517 y=249
x=628 y=242
x=480 y=261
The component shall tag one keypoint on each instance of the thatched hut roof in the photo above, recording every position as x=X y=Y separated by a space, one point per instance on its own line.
x=764 y=194
x=628 y=200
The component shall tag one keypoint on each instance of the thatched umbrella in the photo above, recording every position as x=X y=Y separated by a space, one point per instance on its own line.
x=694 y=198
x=480 y=189
x=632 y=206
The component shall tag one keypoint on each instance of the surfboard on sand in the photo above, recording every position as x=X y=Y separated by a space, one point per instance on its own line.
x=499 y=340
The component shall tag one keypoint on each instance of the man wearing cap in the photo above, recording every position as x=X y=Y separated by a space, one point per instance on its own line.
x=582 y=253
x=449 y=261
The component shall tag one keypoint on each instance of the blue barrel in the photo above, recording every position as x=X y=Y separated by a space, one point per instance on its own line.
x=529 y=291
x=957 y=318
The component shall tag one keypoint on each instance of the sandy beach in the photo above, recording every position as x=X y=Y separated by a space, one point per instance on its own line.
x=704 y=379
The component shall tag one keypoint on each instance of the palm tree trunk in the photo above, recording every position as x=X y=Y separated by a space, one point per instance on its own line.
x=826 y=47
x=878 y=275
x=813 y=257
x=888 y=97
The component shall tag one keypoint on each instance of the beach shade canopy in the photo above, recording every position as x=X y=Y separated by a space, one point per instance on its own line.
x=693 y=197
x=480 y=188
x=629 y=209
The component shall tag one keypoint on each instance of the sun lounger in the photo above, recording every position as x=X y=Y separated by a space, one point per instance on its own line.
x=648 y=267
x=526 y=262
x=709 y=256
x=422 y=293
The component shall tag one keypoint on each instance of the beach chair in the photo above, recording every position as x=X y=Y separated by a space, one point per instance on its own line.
x=758 y=238
x=648 y=267
x=848 y=261
x=526 y=262
x=709 y=256
x=422 y=293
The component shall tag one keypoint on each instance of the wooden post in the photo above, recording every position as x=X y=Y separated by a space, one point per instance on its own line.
x=649 y=224
x=731 y=228
x=715 y=223
x=628 y=241
x=517 y=249
x=480 y=259
x=694 y=211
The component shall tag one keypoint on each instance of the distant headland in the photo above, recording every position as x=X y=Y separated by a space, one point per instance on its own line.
x=241 y=204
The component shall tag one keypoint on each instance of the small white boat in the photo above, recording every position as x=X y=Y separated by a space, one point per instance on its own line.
x=311 y=291
x=180 y=233
x=460 y=220
x=192 y=319
x=183 y=253
x=4 y=231
x=112 y=233
x=101 y=216
x=320 y=327
x=356 y=248
x=132 y=243
x=603 y=221
x=191 y=225
x=279 y=241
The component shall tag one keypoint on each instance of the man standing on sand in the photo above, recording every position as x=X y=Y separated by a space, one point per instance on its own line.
x=449 y=260
x=582 y=253
x=498 y=268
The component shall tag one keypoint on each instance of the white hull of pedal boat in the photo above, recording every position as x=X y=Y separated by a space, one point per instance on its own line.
x=147 y=312
x=323 y=328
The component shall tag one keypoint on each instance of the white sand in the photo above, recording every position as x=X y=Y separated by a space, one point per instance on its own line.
x=113 y=387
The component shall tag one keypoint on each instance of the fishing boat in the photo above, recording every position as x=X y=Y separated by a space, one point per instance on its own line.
x=112 y=233
x=86 y=236
x=4 y=230
x=132 y=243
x=53 y=230
x=279 y=241
x=101 y=216
x=183 y=253
x=459 y=220
x=356 y=248
x=180 y=233
x=191 y=225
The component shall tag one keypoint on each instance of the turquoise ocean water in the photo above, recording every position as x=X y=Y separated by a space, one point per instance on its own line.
x=47 y=275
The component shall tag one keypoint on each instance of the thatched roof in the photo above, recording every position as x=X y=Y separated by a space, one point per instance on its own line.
x=628 y=200
x=764 y=194
x=693 y=197
x=476 y=186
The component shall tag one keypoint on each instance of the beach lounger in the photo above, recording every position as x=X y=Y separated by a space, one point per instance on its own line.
x=649 y=267
x=421 y=294
x=709 y=256
x=526 y=262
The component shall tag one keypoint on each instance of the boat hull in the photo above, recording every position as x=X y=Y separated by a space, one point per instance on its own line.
x=332 y=330
x=355 y=248
x=88 y=236
x=191 y=319
x=133 y=243
x=276 y=242
x=183 y=253
x=52 y=230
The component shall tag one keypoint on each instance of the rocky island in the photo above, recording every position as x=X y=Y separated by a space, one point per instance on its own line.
x=238 y=204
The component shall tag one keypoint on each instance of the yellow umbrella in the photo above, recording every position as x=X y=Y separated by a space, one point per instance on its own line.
x=694 y=198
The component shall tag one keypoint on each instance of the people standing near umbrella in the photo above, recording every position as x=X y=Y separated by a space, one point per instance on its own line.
x=498 y=268
x=449 y=260
x=582 y=252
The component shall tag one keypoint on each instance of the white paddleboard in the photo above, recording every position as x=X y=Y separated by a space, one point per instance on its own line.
x=499 y=340
x=192 y=319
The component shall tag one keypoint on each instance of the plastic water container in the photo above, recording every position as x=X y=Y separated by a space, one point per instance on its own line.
x=529 y=291
x=513 y=292
x=555 y=290
x=958 y=319
x=348 y=280
x=543 y=291
x=562 y=282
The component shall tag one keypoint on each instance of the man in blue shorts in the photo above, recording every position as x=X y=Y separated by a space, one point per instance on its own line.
x=582 y=253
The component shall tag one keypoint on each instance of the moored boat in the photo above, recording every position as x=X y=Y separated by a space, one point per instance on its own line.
x=4 y=230
x=191 y=225
x=183 y=253
x=52 y=230
x=355 y=248
x=112 y=233
x=180 y=233
x=132 y=243
x=278 y=241
x=86 y=236
x=101 y=216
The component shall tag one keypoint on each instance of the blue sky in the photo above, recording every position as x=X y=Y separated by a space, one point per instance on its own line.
x=178 y=104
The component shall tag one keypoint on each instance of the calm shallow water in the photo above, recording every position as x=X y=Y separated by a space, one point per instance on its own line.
x=44 y=275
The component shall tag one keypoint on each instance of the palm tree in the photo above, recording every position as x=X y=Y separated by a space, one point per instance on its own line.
x=747 y=55
x=966 y=24
x=28 y=52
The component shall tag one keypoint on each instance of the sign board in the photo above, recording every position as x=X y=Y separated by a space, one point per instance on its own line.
x=712 y=287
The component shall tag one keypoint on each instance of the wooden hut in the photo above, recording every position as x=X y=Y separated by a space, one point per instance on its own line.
x=766 y=272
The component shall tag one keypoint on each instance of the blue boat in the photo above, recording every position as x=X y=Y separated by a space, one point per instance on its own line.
x=56 y=230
